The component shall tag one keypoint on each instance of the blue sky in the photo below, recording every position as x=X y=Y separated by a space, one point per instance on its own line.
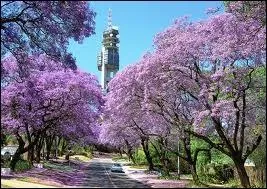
x=138 y=22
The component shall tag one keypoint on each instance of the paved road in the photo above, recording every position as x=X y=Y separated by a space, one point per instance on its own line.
x=99 y=175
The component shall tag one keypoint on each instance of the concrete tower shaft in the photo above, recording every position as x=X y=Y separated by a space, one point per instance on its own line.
x=108 y=58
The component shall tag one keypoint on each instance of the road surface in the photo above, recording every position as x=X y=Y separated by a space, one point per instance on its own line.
x=99 y=175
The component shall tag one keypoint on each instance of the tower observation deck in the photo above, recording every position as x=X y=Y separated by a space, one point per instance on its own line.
x=108 y=58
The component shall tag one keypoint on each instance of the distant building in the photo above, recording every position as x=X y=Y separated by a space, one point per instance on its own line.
x=108 y=58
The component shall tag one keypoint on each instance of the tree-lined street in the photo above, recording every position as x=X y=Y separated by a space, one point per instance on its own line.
x=191 y=105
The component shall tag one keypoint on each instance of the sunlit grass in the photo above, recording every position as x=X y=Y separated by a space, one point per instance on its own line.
x=36 y=181
x=25 y=179
x=120 y=158
x=80 y=158
x=5 y=186
x=139 y=166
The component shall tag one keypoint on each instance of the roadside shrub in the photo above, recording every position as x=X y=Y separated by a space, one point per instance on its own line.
x=216 y=173
x=22 y=165
x=234 y=183
x=140 y=157
x=86 y=151
x=5 y=160
x=86 y=154
x=224 y=172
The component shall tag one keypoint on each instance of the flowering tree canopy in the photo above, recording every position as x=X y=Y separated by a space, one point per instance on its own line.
x=52 y=98
x=214 y=62
x=44 y=26
x=201 y=76
x=245 y=10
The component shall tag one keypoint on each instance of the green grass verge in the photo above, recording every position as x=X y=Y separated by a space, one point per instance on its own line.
x=25 y=179
x=169 y=177
x=80 y=158
x=118 y=158
x=5 y=186
x=139 y=166
x=58 y=167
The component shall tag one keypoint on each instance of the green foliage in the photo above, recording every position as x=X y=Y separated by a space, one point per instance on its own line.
x=7 y=139
x=86 y=154
x=86 y=151
x=258 y=185
x=5 y=160
x=22 y=165
x=218 y=157
x=259 y=156
x=140 y=157
x=216 y=168
x=196 y=143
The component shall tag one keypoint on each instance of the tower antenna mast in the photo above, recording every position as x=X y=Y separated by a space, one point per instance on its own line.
x=109 y=19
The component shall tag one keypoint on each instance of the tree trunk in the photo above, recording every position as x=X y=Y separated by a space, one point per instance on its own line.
x=38 y=155
x=49 y=142
x=22 y=150
x=164 y=164
x=242 y=173
x=130 y=155
x=63 y=147
x=18 y=152
x=193 y=169
x=67 y=157
x=147 y=154
x=129 y=152
x=38 y=150
x=30 y=157
x=57 y=146
x=120 y=152
x=15 y=159
x=190 y=157
x=163 y=158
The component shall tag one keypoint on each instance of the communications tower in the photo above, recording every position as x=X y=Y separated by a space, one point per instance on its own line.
x=108 y=58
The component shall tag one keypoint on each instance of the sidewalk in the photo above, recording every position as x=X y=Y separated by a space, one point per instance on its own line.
x=152 y=179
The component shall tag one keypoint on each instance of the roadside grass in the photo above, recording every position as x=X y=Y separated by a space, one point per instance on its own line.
x=5 y=186
x=36 y=181
x=80 y=158
x=24 y=183
x=174 y=176
x=60 y=167
x=202 y=184
x=139 y=166
x=233 y=183
x=119 y=158
x=170 y=177
x=25 y=179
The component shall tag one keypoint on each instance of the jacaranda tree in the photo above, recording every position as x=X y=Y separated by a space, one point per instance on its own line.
x=201 y=77
x=53 y=99
x=214 y=61
x=45 y=27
